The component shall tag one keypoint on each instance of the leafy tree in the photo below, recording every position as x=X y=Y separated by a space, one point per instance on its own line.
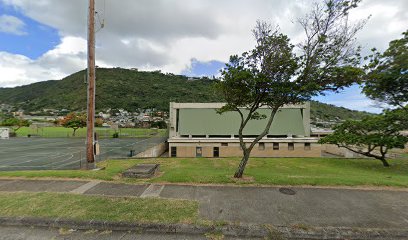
x=276 y=72
x=373 y=136
x=74 y=121
x=15 y=123
x=98 y=122
x=159 y=124
x=387 y=74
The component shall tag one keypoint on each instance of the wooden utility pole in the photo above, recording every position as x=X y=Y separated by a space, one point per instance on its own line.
x=90 y=138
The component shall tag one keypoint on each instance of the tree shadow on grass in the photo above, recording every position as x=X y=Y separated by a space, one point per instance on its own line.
x=397 y=166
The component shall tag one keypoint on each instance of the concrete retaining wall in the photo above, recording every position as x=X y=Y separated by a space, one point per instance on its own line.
x=155 y=151
x=333 y=149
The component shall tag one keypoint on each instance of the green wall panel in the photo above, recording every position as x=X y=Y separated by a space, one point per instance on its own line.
x=208 y=122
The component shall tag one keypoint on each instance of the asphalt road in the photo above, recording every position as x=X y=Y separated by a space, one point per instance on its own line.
x=63 y=153
x=322 y=207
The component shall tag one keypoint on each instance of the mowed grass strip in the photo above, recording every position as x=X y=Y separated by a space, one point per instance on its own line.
x=287 y=171
x=268 y=171
x=82 y=207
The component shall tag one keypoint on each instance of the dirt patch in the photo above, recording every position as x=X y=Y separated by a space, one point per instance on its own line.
x=244 y=179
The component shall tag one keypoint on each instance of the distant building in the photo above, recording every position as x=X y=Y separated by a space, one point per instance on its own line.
x=19 y=113
x=320 y=132
x=196 y=130
x=41 y=118
x=4 y=133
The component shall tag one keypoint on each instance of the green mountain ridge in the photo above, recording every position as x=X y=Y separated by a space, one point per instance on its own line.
x=130 y=90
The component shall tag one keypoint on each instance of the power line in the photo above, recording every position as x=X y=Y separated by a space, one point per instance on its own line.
x=101 y=22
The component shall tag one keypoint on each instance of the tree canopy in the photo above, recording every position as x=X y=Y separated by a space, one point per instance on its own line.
x=373 y=136
x=15 y=123
x=387 y=74
x=74 y=121
x=277 y=72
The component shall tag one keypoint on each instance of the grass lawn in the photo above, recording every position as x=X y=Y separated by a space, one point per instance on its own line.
x=103 y=132
x=81 y=207
x=269 y=171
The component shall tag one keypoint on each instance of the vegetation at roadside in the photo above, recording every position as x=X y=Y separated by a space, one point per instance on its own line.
x=56 y=132
x=15 y=123
x=73 y=120
x=277 y=72
x=374 y=136
x=268 y=171
x=387 y=74
x=82 y=207
x=386 y=82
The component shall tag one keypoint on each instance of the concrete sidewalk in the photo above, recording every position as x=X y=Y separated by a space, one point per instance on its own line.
x=308 y=207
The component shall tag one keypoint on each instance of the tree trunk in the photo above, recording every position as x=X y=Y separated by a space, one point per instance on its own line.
x=247 y=151
x=242 y=164
x=73 y=134
x=369 y=154
x=384 y=162
x=383 y=153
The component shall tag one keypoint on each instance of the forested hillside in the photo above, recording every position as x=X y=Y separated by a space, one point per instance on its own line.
x=130 y=90
x=115 y=88
x=326 y=112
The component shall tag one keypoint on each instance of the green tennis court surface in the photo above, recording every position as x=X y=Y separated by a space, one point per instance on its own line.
x=63 y=153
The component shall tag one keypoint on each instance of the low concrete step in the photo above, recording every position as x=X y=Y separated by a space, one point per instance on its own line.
x=141 y=171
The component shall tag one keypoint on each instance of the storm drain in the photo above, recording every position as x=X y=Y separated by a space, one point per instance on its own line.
x=287 y=191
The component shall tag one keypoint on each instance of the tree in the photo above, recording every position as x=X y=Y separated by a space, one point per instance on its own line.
x=387 y=74
x=15 y=123
x=159 y=124
x=276 y=72
x=373 y=136
x=98 y=122
x=74 y=121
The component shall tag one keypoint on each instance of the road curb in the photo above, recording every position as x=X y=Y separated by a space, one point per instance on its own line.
x=233 y=230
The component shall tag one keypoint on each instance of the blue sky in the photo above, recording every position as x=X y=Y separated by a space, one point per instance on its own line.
x=350 y=97
x=200 y=69
x=34 y=40
x=42 y=40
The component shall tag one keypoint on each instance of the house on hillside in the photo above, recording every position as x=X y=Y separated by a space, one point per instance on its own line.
x=196 y=130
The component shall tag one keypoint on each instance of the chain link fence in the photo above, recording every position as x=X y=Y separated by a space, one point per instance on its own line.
x=53 y=153
x=61 y=132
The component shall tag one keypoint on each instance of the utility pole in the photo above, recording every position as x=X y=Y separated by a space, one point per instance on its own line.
x=90 y=123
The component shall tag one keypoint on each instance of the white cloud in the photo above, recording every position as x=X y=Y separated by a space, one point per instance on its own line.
x=168 y=34
x=18 y=70
x=12 y=25
x=359 y=102
x=388 y=20
x=69 y=56
x=162 y=34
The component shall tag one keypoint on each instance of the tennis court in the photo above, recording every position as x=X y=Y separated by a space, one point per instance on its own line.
x=63 y=153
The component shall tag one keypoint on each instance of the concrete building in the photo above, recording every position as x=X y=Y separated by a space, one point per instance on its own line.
x=196 y=130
